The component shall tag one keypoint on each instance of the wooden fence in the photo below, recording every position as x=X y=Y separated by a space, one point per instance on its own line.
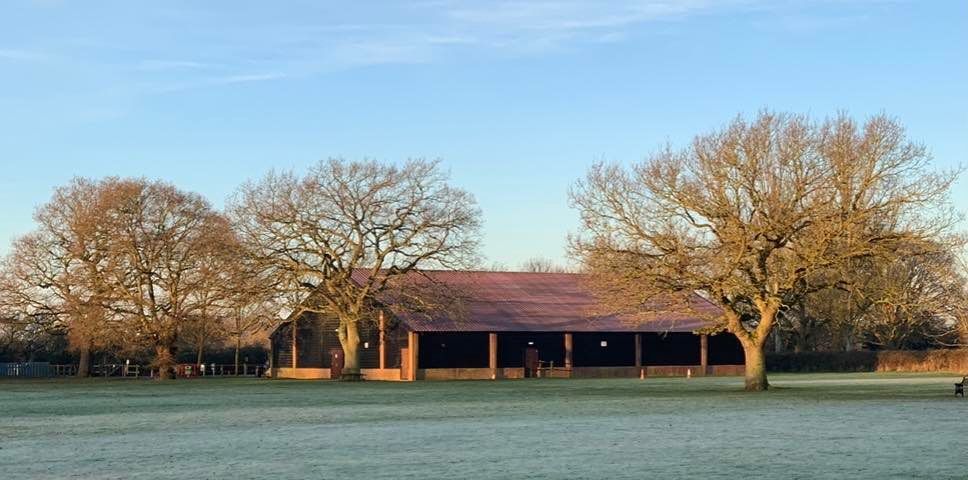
x=26 y=369
x=126 y=370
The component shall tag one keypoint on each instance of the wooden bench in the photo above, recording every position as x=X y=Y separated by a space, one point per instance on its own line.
x=960 y=387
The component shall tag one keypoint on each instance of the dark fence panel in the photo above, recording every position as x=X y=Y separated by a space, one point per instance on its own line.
x=26 y=369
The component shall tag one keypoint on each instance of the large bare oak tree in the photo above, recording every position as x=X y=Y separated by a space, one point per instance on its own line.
x=342 y=233
x=171 y=247
x=754 y=214
x=56 y=276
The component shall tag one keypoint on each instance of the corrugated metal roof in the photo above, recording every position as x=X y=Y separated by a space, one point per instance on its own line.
x=547 y=302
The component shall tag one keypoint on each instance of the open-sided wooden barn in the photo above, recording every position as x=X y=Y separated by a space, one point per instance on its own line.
x=516 y=324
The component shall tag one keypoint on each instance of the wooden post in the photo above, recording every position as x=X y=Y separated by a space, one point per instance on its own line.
x=568 y=351
x=638 y=349
x=492 y=354
x=404 y=363
x=703 y=353
x=294 y=353
x=413 y=339
x=383 y=342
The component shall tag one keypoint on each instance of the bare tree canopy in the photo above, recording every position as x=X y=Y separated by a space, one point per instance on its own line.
x=253 y=303
x=172 y=247
x=913 y=300
x=57 y=275
x=757 y=213
x=543 y=265
x=316 y=232
x=123 y=262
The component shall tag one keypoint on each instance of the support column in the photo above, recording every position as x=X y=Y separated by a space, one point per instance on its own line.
x=703 y=354
x=294 y=352
x=413 y=339
x=492 y=354
x=568 y=351
x=383 y=342
x=638 y=349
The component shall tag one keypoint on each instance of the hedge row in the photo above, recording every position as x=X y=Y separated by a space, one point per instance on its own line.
x=954 y=361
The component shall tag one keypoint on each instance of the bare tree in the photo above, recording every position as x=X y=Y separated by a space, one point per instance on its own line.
x=910 y=300
x=222 y=284
x=17 y=329
x=961 y=309
x=914 y=301
x=543 y=265
x=56 y=275
x=495 y=266
x=253 y=304
x=166 y=242
x=121 y=262
x=343 y=231
x=201 y=331
x=757 y=213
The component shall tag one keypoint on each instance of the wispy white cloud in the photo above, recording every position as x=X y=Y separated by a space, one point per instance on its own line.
x=21 y=55
x=211 y=51
x=208 y=82
x=165 y=65
x=810 y=24
x=532 y=27
x=574 y=14
x=246 y=78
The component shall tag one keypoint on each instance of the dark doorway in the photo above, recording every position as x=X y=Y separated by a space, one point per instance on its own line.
x=725 y=349
x=530 y=362
x=673 y=348
x=309 y=342
x=453 y=350
x=604 y=349
x=336 y=362
x=511 y=345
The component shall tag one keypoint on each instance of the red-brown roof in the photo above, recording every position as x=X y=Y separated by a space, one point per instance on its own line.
x=547 y=302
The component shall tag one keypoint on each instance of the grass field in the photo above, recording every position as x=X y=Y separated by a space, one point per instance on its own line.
x=809 y=426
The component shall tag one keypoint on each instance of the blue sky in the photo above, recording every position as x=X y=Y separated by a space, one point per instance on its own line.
x=517 y=98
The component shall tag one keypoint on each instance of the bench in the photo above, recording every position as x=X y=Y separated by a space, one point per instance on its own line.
x=960 y=387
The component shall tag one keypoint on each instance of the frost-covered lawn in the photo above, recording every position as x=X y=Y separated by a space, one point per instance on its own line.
x=810 y=426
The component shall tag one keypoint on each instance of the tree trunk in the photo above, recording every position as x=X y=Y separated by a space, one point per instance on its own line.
x=349 y=339
x=238 y=347
x=200 y=357
x=755 y=367
x=164 y=361
x=84 y=362
x=754 y=341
